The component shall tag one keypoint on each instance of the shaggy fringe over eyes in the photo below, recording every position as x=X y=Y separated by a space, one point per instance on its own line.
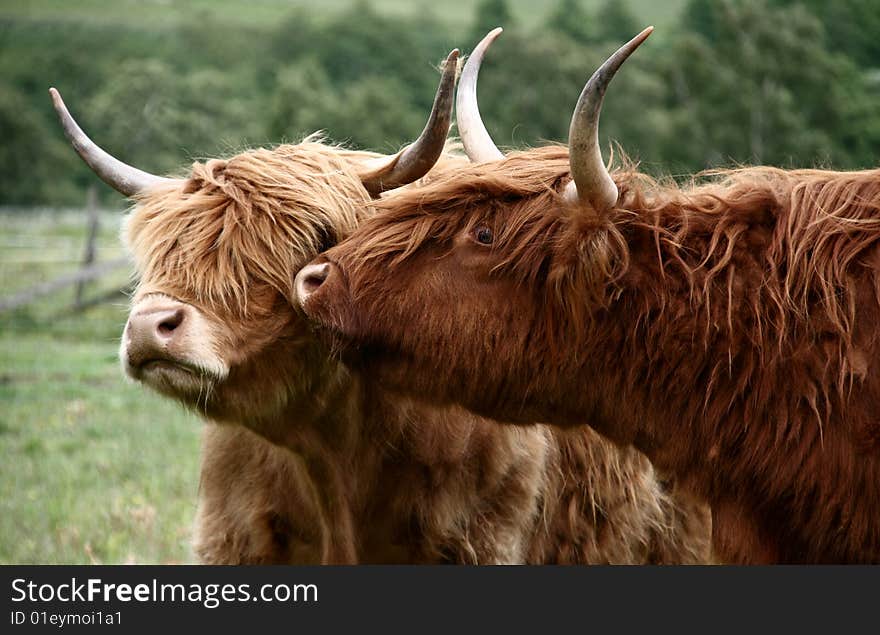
x=504 y=194
x=256 y=217
x=453 y=200
x=817 y=225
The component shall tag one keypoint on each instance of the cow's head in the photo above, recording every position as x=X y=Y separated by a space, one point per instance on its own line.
x=463 y=289
x=212 y=321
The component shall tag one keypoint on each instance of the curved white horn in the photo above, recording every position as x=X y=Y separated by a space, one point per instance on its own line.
x=478 y=145
x=121 y=177
x=591 y=185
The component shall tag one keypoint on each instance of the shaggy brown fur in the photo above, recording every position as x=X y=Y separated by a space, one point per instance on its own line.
x=355 y=473
x=727 y=329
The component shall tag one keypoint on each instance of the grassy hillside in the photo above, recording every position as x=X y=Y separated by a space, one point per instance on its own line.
x=159 y=13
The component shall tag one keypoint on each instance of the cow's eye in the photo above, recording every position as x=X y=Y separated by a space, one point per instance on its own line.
x=483 y=235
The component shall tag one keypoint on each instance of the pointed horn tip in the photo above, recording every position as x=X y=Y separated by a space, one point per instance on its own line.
x=450 y=64
x=484 y=44
x=56 y=97
x=492 y=35
x=641 y=37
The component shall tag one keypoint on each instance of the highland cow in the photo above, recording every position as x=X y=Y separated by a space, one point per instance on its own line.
x=351 y=472
x=727 y=329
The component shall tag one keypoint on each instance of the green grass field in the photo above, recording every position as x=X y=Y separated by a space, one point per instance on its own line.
x=95 y=468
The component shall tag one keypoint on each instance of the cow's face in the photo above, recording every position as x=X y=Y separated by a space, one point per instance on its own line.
x=469 y=290
x=226 y=365
x=212 y=323
x=452 y=295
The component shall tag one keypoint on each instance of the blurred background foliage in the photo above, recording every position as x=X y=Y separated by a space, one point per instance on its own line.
x=160 y=83
x=97 y=469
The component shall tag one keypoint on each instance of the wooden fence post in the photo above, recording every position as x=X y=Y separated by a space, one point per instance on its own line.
x=91 y=238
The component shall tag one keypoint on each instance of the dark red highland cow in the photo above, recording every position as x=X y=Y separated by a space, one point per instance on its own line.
x=729 y=329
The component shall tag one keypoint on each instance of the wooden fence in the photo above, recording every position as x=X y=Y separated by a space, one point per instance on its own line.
x=89 y=271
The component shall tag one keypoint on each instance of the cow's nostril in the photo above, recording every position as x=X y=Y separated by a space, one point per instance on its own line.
x=313 y=281
x=310 y=278
x=170 y=322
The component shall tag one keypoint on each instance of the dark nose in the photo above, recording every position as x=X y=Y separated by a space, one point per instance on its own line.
x=309 y=279
x=151 y=332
